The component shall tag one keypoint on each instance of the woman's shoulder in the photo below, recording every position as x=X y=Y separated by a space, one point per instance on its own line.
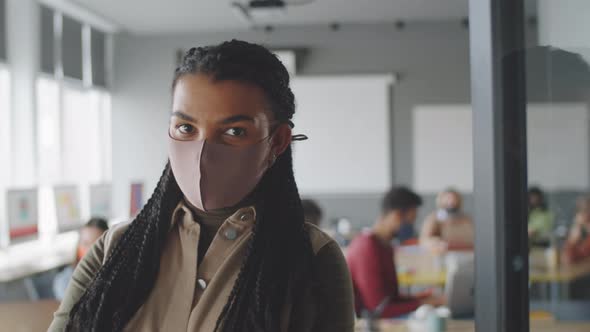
x=112 y=236
x=319 y=239
x=332 y=285
x=328 y=257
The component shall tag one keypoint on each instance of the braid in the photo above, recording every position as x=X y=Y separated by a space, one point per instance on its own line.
x=123 y=282
x=246 y=264
x=281 y=251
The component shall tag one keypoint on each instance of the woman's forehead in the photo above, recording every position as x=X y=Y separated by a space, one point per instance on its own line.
x=200 y=97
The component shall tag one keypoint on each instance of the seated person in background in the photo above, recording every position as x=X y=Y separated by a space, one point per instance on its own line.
x=407 y=235
x=93 y=229
x=341 y=230
x=370 y=259
x=448 y=228
x=577 y=245
x=312 y=211
x=540 y=218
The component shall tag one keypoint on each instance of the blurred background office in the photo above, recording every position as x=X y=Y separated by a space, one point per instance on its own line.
x=85 y=89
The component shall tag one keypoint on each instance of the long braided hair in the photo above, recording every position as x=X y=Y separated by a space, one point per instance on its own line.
x=277 y=263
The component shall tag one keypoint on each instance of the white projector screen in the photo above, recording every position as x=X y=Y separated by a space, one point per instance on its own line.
x=443 y=148
x=347 y=121
x=557 y=135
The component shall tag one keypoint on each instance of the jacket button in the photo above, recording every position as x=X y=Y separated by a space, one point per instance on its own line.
x=202 y=283
x=231 y=234
x=246 y=216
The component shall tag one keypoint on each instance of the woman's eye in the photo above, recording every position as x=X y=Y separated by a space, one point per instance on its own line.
x=237 y=132
x=186 y=129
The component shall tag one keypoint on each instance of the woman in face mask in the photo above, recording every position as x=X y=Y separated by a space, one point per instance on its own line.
x=447 y=228
x=221 y=245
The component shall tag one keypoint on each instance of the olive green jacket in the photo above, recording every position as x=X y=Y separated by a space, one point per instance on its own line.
x=189 y=297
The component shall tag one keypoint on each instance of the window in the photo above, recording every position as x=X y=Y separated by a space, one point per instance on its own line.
x=73 y=110
x=5 y=139
x=2 y=30
x=48 y=116
x=98 y=49
x=47 y=39
x=102 y=101
x=83 y=134
x=531 y=122
x=71 y=43
x=4 y=116
x=74 y=140
x=4 y=103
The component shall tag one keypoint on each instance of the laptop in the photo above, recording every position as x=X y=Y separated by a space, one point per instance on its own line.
x=460 y=288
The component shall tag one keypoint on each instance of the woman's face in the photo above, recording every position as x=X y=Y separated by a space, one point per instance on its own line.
x=226 y=112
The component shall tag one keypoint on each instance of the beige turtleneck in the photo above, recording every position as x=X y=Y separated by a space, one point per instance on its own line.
x=210 y=222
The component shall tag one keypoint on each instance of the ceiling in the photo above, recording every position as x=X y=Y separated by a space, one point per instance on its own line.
x=167 y=16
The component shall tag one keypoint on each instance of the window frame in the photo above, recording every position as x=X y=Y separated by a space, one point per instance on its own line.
x=500 y=164
x=78 y=85
x=6 y=168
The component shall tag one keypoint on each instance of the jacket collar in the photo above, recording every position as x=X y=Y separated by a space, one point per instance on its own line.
x=183 y=215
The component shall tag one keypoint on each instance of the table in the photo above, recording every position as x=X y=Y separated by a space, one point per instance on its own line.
x=541 y=273
x=21 y=261
x=27 y=316
x=558 y=278
x=469 y=326
x=422 y=279
x=417 y=267
x=25 y=259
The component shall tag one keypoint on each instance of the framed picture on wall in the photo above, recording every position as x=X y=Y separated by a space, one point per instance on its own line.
x=67 y=207
x=22 y=208
x=100 y=201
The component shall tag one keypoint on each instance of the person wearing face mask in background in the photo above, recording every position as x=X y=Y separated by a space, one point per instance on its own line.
x=370 y=258
x=407 y=235
x=222 y=244
x=91 y=232
x=447 y=228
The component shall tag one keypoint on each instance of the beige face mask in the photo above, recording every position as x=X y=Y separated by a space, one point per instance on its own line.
x=213 y=176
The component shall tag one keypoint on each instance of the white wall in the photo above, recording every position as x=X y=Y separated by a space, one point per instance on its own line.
x=557 y=143
x=443 y=148
x=558 y=146
x=430 y=58
x=565 y=24
x=144 y=67
x=5 y=149
x=22 y=32
x=23 y=58
x=347 y=121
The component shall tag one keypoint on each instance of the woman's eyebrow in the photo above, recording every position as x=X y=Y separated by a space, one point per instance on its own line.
x=183 y=116
x=237 y=118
